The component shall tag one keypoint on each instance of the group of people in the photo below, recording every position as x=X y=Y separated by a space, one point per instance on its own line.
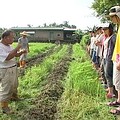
x=104 y=52
x=105 y=55
x=8 y=66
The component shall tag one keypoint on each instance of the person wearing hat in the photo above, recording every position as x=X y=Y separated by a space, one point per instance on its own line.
x=24 y=46
x=8 y=69
x=114 y=15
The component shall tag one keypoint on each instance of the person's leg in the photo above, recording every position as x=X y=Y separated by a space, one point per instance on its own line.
x=103 y=73
x=5 y=90
x=118 y=96
x=23 y=63
x=109 y=78
x=14 y=82
x=116 y=80
x=24 y=60
x=20 y=60
x=20 y=63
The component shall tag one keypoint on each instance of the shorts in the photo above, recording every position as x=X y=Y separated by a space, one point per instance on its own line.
x=8 y=82
x=23 y=57
x=116 y=77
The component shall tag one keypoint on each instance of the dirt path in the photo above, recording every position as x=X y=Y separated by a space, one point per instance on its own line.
x=46 y=102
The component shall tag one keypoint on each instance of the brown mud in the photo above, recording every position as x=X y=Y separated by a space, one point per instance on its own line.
x=46 y=103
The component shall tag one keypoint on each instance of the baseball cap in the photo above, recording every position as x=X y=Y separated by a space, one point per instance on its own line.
x=107 y=26
x=114 y=11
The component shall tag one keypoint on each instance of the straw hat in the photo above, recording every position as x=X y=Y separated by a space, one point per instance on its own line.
x=24 y=33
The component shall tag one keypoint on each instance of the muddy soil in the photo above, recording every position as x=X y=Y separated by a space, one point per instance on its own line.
x=36 y=60
x=46 y=103
x=40 y=57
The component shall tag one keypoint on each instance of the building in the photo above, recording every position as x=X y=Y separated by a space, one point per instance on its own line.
x=38 y=34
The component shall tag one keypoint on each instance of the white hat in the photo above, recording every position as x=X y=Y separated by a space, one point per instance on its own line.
x=114 y=11
x=107 y=26
x=24 y=33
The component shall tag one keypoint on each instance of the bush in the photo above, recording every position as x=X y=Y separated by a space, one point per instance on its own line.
x=85 y=40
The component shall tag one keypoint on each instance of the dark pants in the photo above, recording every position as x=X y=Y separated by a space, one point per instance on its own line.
x=103 y=63
x=109 y=73
x=94 y=56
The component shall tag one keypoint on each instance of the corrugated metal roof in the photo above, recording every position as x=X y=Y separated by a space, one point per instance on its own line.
x=70 y=29
x=42 y=28
x=35 y=28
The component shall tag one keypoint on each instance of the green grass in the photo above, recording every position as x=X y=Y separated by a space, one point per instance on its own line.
x=36 y=48
x=31 y=85
x=84 y=97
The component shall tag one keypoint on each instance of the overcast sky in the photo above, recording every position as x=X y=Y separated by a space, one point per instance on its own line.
x=37 y=12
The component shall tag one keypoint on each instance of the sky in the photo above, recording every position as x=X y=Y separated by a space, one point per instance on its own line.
x=20 y=13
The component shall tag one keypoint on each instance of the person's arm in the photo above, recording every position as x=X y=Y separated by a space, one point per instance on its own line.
x=20 y=53
x=13 y=53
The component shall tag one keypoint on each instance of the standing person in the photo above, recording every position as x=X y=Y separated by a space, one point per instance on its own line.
x=115 y=17
x=24 y=46
x=8 y=69
x=109 y=45
x=98 y=43
x=92 y=40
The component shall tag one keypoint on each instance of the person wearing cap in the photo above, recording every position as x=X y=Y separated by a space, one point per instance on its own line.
x=8 y=70
x=98 y=43
x=24 y=46
x=114 y=15
x=97 y=47
x=94 y=49
x=109 y=45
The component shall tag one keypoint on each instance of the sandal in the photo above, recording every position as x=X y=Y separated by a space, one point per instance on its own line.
x=114 y=104
x=115 y=111
x=6 y=110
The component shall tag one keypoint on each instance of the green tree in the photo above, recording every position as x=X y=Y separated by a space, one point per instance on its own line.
x=1 y=31
x=64 y=24
x=102 y=7
x=78 y=35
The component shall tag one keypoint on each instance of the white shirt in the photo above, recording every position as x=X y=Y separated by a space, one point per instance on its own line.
x=4 y=52
x=92 y=42
x=105 y=47
x=100 y=38
x=23 y=42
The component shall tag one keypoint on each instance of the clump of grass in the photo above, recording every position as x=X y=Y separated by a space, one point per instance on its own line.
x=84 y=97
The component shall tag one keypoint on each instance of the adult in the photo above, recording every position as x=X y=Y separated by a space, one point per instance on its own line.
x=115 y=18
x=8 y=69
x=92 y=40
x=24 y=46
x=109 y=45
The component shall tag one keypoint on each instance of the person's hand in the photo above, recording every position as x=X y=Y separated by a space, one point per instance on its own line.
x=118 y=66
x=23 y=51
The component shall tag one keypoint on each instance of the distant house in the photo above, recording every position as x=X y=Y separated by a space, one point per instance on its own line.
x=38 y=34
